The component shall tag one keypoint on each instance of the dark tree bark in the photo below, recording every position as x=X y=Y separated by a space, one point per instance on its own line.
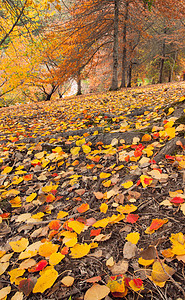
x=129 y=75
x=123 y=73
x=114 y=85
x=162 y=60
x=79 y=84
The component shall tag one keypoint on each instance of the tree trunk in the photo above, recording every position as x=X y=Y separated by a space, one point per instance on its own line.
x=114 y=85
x=123 y=79
x=48 y=95
x=129 y=75
x=79 y=84
x=162 y=61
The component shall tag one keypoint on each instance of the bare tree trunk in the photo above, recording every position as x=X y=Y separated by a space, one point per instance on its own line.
x=129 y=74
x=162 y=60
x=79 y=84
x=114 y=85
x=123 y=79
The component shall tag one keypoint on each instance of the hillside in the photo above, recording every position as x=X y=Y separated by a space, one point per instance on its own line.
x=92 y=196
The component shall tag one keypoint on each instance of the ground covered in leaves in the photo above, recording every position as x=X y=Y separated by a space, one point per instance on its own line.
x=92 y=198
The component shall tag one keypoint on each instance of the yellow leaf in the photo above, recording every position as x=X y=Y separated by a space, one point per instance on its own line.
x=127 y=209
x=55 y=258
x=45 y=281
x=170 y=110
x=15 y=273
x=7 y=170
x=106 y=183
x=68 y=281
x=104 y=175
x=170 y=132
x=49 y=188
x=19 y=245
x=76 y=226
x=145 y=262
x=116 y=218
x=2 y=253
x=127 y=184
x=4 y=292
x=80 y=142
x=31 y=197
x=38 y=216
x=80 y=250
x=97 y=292
x=70 y=238
x=101 y=223
x=158 y=273
x=133 y=237
x=75 y=150
x=86 y=149
x=17 y=180
x=104 y=208
x=16 y=202
x=62 y=214
x=47 y=249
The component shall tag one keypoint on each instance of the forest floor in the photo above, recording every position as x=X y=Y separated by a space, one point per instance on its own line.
x=92 y=196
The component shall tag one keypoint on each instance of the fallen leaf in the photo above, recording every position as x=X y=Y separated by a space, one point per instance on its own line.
x=19 y=245
x=4 y=292
x=68 y=281
x=45 y=281
x=26 y=286
x=97 y=292
x=80 y=250
x=158 y=273
x=133 y=237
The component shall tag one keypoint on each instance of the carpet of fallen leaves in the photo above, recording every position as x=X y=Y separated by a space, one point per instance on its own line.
x=92 y=196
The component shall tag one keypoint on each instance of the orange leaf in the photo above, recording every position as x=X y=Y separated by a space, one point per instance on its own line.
x=83 y=208
x=54 y=224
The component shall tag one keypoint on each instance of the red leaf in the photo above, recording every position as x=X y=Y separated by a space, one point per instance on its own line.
x=95 y=232
x=26 y=286
x=169 y=157
x=64 y=250
x=177 y=200
x=156 y=224
x=138 y=282
x=132 y=218
x=5 y=215
x=39 y=266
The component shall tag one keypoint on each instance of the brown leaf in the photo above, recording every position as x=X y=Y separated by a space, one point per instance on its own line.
x=120 y=267
x=129 y=250
x=148 y=253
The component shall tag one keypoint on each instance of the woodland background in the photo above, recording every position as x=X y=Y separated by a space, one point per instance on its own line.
x=47 y=46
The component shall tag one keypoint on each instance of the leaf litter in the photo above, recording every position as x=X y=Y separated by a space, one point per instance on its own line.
x=92 y=199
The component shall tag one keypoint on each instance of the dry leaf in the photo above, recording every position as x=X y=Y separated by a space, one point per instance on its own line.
x=158 y=273
x=68 y=281
x=97 y=292
x=121 y=267
x=4 y=292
